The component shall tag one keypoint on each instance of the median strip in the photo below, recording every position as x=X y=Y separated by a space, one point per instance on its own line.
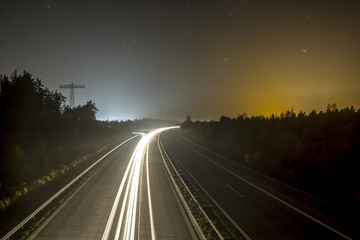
x=275 y=197
x=200 y=219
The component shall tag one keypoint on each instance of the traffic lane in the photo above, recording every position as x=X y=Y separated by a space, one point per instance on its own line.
x=170 y=220
x=341 y=217
x=247 y=217
x=258 y=214
x=85 y=215
x=143 y=215
x=300 y=199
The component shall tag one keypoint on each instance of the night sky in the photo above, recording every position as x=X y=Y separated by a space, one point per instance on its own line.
x=199 y=58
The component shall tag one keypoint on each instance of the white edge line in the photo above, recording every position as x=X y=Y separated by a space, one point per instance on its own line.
x=153 y=235
x=192 y=196
x=278 y=199
x=192 y=218
x=218 y=205
x=126 y=180
x=7 y=236
x=202 y=166
x=116 y=201
x=235 y=191
x=130 y=194
x=252 y=170
x=140 y=199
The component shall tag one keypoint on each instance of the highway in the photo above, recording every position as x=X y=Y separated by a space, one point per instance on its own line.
x=254 y=207
x=132 y=196
x=129 y=197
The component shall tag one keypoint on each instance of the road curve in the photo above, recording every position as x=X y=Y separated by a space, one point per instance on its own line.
x=129 y=197
x=257 y=212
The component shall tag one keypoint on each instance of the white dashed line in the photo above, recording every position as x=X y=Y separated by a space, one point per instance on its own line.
x=242 y=196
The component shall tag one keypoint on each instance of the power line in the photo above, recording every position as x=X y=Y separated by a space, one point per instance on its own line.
x=72 y=86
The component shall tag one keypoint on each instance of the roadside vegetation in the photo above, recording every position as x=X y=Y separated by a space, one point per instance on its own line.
x=41 y=137
x=317 y=152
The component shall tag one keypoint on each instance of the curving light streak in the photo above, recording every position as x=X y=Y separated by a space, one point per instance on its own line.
x=125 y=228
x=152 y=227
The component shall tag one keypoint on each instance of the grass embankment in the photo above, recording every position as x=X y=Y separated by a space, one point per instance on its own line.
x=56 y=180
x=34 y=223
x=27 y=187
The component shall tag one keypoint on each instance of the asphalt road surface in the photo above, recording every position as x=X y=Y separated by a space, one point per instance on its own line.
x=115 y=201
x=131 y=197
x=257 y=210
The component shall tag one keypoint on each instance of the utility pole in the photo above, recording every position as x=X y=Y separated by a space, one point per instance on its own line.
x=72 y=95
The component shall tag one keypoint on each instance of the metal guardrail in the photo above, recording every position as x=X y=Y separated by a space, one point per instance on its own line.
x=39 y=209
x=193 y=220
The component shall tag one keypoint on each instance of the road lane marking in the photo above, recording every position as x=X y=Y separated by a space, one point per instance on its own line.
x=195 y=224
x=252 y=170
x=125 y=228
x=276 y=198
x=202 y=166
x=117 y=199
x=131 y=193
x=140 y=199
x=153 y=236
x=216 y=203
x=20 y=225
x=242 y=196
x=190 y=193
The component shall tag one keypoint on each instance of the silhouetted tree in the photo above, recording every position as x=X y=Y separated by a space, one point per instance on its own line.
x=33 y=125
x=38 y=133
x=318 y=152
x=86 y=112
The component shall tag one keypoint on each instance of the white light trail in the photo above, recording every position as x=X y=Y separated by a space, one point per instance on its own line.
x=149 y=194
x=125 y=228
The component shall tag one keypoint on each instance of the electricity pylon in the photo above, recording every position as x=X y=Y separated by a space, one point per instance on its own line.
x=72 y=95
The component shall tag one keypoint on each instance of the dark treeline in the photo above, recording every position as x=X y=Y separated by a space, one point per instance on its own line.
x=317 y=152
x=39 y=133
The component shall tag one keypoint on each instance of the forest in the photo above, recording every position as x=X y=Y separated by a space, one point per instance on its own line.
x=317 y=152
x=41 y=137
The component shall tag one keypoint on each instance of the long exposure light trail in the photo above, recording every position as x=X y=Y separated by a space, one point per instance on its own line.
x=125 y=227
